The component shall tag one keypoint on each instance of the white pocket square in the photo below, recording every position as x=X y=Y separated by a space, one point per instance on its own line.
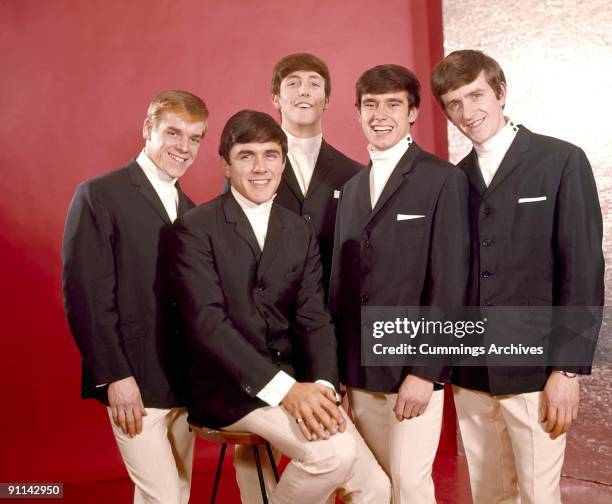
x=401 y=216
x=532 y=200
x=336 y=194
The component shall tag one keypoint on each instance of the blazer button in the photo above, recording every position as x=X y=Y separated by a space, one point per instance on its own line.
x=487 y=243
x=364 y=298
x=366 y=244
x=307 y=217
x=486 y=274
x=487 y=211
x=261 y=287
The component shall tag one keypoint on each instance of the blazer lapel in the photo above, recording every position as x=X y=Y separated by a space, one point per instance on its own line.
x=274 y=239
x=291 y=181
x=322 y=166
x=470 y=167
x=397 y=178
x=140 y=180
x=183 y=201
x=512 y=159
x=242 y=226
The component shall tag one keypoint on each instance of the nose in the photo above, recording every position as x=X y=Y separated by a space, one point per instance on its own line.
x=467 y=109
x=303 y=90
x=183 y=144
x=258 y=165
x=378 y=113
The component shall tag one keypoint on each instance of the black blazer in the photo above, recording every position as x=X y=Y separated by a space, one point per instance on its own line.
x=534 y=253
x=116 y=289
x=247 y=313
x=318 y=206
x=382 y=261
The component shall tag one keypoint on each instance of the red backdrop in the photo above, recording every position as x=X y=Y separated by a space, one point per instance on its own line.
x=76 y=80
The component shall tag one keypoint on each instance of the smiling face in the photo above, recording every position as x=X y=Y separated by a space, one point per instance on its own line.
x=173 y=141
x=301 y=101
x=475 y=109
x=255 y=169
x=386 y=118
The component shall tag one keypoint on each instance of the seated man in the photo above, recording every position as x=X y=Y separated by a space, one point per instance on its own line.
x=248 y=278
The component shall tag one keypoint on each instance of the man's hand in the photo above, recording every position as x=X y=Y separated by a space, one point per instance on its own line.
x=315 y=409
x=126 y=405
x=412 y=397
x=559 y=407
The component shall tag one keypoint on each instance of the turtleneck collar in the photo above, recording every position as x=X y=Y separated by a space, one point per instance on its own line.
x=307 y=146
x=498 y=143
x=251 y=207
x=392 y=154
x=153 y=172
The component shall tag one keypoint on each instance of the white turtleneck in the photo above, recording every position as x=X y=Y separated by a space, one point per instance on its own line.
x=383 y=164
x=164 y=185
x=257 y=214
x=491 y=153
x=303 y=154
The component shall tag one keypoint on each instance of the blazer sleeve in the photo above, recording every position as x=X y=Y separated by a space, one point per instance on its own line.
x=203 y=308
x=313 y=323
x=448 y=265
x=88 y=280
x=579 y=267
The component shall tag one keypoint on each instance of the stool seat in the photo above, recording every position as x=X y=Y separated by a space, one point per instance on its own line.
x=233 y=438
x=236 y=438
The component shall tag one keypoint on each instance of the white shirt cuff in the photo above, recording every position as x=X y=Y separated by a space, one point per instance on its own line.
x=276 y=388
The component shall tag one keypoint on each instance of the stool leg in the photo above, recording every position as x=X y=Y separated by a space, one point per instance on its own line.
x=218 y=473
x=262 y=485
x=272 y=462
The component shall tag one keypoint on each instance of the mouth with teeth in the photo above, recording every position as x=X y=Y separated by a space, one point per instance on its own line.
x=303 y=105
x=177 y=159
x=474 y=124
x=382 y=128
x=260 y=182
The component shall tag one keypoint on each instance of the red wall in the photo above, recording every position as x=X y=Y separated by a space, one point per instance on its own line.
x=76 y=80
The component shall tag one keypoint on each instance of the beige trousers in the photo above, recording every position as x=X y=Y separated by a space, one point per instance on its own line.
x=159 y=459
x=406 y=449
x=511 y=458
x=318 y=470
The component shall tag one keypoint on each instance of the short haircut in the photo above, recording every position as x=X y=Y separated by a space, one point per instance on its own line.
x=462 y=67
x=389 y=78
x=250 y=126
x=296 y=62
x=178 y=102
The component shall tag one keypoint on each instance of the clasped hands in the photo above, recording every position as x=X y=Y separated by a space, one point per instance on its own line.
x=316 y=410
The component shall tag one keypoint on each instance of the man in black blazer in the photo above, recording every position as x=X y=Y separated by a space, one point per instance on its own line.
x=315 y=171
x=261 y=346
x=536 y=233
x=119 y=302
x=401 y=239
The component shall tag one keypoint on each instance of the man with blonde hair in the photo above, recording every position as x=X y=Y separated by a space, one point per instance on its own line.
x=119 y=302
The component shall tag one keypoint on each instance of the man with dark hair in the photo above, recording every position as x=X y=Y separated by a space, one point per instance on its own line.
x=536 y=233
x=261 y=346
x=119 y=305
x=315 y=172
x=401 y=240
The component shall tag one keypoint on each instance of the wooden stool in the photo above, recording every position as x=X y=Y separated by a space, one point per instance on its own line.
x=236 y=438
